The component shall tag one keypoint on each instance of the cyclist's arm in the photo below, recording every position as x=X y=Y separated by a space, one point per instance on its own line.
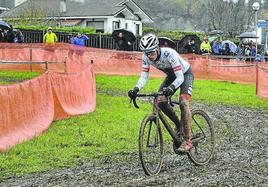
x=144 y=75
x=177 y=69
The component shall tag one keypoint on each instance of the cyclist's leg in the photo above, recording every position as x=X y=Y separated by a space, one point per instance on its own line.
x=163 y=103
x=186 y=122
x=185 y=97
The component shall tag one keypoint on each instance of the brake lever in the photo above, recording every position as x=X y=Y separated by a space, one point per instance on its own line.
x=134 y=102
x=169 y=101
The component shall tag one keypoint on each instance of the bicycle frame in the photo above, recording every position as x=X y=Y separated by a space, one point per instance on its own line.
x=159 y=115
x=151 y=141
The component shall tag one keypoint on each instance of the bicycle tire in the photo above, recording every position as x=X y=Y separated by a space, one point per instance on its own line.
x=151 y=163
x=203 y=138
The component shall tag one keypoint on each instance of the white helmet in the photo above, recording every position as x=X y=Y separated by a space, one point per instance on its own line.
x=149 y=42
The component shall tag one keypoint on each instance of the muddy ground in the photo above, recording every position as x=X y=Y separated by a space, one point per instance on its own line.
x=241 y=160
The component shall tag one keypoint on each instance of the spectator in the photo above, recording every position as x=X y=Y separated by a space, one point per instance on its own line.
x=205 y=46
x=253 y=50
x=70 y=38
x=226 y=49
x=10 y=35
x=190 y=47
x=122 y=43
x=2 y=36
x=79 y=39
x=50 y=37
x=18 y=36
x=247 y=50
x=217 y=47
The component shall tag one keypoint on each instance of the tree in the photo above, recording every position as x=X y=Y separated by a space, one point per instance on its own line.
x=233 y=17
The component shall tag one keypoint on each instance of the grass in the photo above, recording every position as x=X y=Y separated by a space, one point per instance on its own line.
x=11 y=77
x=209 y=92
x=112 y=128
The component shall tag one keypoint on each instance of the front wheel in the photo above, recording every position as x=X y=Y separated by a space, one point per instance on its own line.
x=151 y=145
x=203 y=138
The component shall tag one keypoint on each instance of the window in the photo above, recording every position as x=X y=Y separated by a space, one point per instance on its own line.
x=116 y=25
x=63 y=6
x=120 y=15
x=98 y=25
x=137 y=29
x=126 y=25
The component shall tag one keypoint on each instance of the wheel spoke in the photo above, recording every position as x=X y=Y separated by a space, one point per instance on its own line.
x=203 y=138
x=150 y=146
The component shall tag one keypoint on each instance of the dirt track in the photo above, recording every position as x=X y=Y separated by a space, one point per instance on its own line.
x=241 y=160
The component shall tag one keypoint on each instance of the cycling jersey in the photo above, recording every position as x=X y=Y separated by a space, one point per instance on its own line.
x=170 y=62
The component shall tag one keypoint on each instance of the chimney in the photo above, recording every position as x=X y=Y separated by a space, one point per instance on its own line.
x=62 y=6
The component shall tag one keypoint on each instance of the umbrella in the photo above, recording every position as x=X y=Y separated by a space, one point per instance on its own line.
x=211 y=38
x=126 y=34
x=166 y=42
x=182 y=45
x=232 y=45
x=247 y=35
x=216 y=32
x=4 y=25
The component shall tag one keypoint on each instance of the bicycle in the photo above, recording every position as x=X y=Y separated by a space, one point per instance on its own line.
x=151 y=138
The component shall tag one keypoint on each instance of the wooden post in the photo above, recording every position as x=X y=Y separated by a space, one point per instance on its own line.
x=207 y=64
x=100 y=38
x=65 y=64
x=257 y=78
x=46 y=64
x=31 y=59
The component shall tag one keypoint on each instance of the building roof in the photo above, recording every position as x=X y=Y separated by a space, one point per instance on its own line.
x=7 y=3
x=78 y=8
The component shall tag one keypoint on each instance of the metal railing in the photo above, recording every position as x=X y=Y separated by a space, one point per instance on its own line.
x=105 y=42
x=95 y=40
x=31 y=63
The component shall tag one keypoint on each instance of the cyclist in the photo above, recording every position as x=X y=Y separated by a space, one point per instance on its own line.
x=178 y=75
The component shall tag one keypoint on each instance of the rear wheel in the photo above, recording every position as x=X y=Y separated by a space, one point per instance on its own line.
x=203 y=138
x=151 y=145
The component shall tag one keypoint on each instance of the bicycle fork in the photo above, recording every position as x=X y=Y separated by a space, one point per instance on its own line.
x=154 y=139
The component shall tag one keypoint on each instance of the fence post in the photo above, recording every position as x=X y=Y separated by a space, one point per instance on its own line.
x=207 y=64
x=46 y=64
x=31 y=59
x=65 y=64
x=100 y=38
x=257 y=78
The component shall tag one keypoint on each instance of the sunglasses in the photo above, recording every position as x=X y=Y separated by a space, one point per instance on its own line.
x=149 y=53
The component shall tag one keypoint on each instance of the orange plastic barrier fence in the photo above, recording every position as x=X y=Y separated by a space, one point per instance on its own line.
x=232 y=71
x=49 y=97
x=119 y=62
x=56 y=96
x=113 y=62
x=262 y=82
x=27 y=109
x=74 y=93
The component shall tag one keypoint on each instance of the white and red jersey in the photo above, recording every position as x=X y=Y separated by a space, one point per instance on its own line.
x=170 y=62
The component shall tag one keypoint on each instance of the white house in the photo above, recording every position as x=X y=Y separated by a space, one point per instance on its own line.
x=104 y=15
x=10 y=3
